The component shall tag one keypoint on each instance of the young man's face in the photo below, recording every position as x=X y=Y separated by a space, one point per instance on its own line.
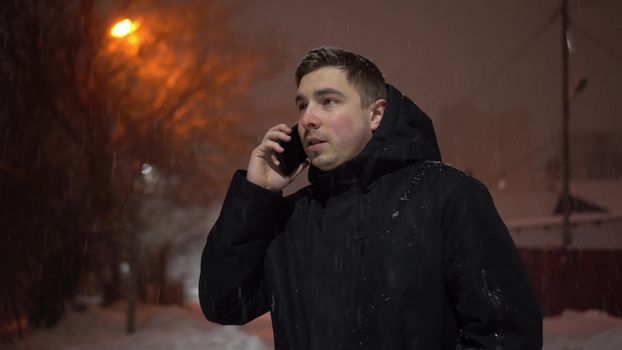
x=334 y=126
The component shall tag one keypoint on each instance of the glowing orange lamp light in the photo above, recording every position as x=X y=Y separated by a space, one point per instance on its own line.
x=123 y=28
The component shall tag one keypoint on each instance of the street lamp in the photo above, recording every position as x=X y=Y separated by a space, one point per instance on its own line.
x=123 y=28
x=125 y=31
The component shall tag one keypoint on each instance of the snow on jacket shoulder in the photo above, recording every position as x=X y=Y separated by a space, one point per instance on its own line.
x=392 y=250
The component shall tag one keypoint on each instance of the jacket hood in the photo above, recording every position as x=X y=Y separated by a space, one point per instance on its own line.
x=405 y=135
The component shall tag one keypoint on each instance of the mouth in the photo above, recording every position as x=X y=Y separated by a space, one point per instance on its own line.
x=313 y=143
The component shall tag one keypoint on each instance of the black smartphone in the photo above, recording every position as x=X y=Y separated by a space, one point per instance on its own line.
x=294 y=153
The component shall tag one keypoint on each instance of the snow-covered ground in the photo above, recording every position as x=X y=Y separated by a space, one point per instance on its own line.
x=158 y=328
x=185 y=328
x=589 y=330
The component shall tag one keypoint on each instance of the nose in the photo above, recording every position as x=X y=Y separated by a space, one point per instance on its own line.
x=309 y=119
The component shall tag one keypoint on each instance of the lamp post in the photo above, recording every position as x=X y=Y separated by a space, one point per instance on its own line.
x=566 y=205
x=122 y=30
x=566 y=99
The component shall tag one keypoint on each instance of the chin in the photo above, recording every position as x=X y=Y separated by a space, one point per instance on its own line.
x=324 y=165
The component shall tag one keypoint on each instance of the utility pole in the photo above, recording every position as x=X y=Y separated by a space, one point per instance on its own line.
x=566 y=234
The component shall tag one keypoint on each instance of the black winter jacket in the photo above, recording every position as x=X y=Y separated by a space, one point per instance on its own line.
x=391 y=250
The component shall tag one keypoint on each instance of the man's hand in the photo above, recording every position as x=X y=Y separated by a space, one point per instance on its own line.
x=262 y=166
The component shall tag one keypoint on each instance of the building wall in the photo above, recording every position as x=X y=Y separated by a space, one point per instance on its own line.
x=585 y=275
x=575 y=279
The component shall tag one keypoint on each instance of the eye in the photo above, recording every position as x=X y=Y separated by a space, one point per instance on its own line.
x=301 y=106
x=329 y=102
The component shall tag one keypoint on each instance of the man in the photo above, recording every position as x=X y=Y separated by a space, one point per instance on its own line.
x=387 y=248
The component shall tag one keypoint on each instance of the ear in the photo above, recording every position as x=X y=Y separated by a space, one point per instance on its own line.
x=377 y=112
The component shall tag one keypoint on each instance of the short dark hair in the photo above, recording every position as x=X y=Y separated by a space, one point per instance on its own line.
x=361 y=73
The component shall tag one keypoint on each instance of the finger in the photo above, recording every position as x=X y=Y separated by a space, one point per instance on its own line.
x=278 y=136
x=300 y=169
x=281 y=127
x=275 y=160
x=272 y=146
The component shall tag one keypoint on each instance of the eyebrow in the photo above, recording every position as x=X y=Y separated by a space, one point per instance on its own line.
x=320 y=93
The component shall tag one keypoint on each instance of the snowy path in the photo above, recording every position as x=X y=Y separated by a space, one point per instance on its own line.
x=186 y=329
x=158 y=328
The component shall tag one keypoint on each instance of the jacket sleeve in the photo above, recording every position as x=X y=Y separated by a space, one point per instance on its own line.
x=494 y=303
x=231 y=289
